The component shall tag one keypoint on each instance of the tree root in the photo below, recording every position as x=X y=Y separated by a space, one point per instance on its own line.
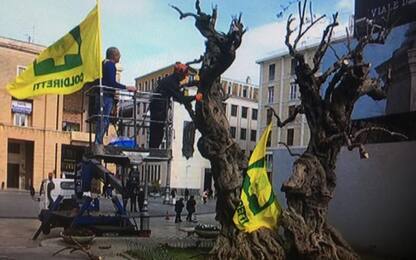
x=322 y=242
x=260 y=244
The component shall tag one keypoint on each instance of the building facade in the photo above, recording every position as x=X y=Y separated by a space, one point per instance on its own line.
x=195 y=173
x=279 y=90
x=41 y=134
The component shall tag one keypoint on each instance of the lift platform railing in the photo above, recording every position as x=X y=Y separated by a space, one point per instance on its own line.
x=130 y=123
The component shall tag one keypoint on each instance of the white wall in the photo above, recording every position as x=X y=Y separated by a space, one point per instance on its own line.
x=185 y=173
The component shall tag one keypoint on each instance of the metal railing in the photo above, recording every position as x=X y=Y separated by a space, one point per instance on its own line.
x=127 y=119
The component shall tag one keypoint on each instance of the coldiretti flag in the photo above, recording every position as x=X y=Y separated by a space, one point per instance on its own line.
x=258 y=207
x=65 y=66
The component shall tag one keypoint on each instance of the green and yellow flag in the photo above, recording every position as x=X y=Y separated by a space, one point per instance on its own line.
x=258 y=207
x=65 y=66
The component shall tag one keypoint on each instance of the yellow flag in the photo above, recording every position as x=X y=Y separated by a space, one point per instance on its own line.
x=65 y=66
x=258 y=207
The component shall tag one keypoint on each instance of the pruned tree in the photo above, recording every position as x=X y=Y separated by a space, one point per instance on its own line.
x=312 y=183
x=226 y=157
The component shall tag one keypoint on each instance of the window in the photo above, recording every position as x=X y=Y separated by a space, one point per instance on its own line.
x=233 y=131
x=20 y=119
x=291 y=110
x=272 y=69
x=243 y=134
x=224 y=106
x=269 y=140
x=21 y=112
x=229 y=89
x=253 y=135
x=254 y=114
x=293 y=91
x=245 y=92
x=270 y=94
x=144 y=107
x=289 y=138
x=140 y=86
x=153 y=83
x=69 y=126
x=234 y=110
x=244 y=112
x=292 y=66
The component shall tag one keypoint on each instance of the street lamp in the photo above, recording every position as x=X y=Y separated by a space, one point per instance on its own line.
x=186 y=175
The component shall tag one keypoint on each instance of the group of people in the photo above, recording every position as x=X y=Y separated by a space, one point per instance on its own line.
x=167 y=88
x=190 y=208
x=135 y=194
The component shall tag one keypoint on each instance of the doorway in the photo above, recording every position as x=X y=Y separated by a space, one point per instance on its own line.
x=20 y=164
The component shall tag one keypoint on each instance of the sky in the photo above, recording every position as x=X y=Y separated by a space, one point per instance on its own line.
x=150 y=35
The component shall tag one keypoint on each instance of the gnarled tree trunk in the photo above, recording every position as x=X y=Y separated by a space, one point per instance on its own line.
x=226 y=157
x=311 y=186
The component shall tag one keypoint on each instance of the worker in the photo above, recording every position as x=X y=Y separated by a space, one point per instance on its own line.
x=108 y=81
x=168 y=87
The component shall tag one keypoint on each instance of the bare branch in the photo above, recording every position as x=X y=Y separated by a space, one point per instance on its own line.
x=337 y=77
x=195 y=61
x=292 y=50
x=353 y=141
x=290 y=151
x=334 y=51
x=214 y=17
x=325 y=42
x=377 y=129
x=310 y=11
x=307 y=29
x=183 y=15
x=197 y=7
x=348 y=39
x=291 y=118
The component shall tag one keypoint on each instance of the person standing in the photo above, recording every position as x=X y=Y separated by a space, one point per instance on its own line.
x=132 y=190
x=190 y=207
x=109 y=80
x=186 y=194
x=49 y=187
x=205 y=196
x=178 y=209
x=173 y=196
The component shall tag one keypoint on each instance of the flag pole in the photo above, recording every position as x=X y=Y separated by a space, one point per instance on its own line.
x=101 y=69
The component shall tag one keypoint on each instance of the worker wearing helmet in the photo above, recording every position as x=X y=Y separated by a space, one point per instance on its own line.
x=168 y=87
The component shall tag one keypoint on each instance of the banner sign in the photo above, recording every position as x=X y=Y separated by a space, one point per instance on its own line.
x=21 y=107
x=400 y=11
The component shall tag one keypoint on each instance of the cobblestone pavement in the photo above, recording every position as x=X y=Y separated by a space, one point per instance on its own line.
x=16 y=243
